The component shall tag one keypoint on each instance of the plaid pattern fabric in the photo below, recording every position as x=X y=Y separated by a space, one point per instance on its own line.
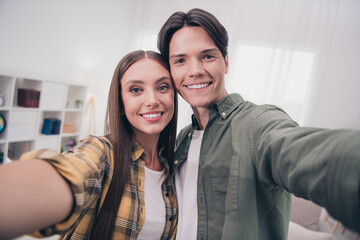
x=89 y=170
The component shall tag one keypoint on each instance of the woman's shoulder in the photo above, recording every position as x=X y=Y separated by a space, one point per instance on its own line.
x=97 y=141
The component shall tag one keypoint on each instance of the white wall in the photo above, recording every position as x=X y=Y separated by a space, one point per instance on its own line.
x=82 y=41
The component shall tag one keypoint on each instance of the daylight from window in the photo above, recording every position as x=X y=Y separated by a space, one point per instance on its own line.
x=279 y=76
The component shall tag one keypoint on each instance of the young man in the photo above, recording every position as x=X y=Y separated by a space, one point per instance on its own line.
x=238 y=162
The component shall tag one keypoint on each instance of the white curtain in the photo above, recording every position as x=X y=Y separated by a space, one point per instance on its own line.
x=302 y=55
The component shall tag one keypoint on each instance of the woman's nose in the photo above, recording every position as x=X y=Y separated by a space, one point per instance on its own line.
x=152 y=99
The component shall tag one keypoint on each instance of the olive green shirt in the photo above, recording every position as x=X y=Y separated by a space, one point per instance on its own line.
x=252 y=157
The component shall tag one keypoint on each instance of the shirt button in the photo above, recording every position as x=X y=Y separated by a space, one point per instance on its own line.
x=223 y=114
x=176 y=162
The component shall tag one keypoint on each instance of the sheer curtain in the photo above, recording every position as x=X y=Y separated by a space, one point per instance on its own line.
x=300 y=55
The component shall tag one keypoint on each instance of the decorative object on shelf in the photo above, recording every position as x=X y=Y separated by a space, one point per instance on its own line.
x=91 y=107
x=2 y=123
x=2 y=100
x=69 y=145
x=78 y=103
x=15 y=150
x=68 y=128
x=51 y=126
x=28 y=98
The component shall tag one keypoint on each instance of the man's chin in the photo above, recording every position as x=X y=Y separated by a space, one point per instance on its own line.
x=199 y=105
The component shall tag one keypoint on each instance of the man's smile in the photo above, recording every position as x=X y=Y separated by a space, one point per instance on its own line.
x=198 y=86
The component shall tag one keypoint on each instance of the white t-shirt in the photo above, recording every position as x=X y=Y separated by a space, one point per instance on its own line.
x=186 y=188
x=155 y=213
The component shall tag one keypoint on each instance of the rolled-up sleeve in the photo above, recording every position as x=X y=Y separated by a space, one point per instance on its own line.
x=87 y=169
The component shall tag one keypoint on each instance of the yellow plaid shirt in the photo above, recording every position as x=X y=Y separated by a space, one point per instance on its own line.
x=89 y=170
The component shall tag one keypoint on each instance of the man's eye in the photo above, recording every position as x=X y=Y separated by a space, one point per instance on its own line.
x=209 y=57
x=179 y=61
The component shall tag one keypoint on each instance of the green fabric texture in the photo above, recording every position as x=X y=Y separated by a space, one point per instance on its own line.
x=252 y=157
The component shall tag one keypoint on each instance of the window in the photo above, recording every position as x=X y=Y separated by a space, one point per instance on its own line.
x=279 y=76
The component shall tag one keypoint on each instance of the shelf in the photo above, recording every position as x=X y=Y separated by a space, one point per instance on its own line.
x=75 y=97
x=68 y=143
x=16 y=149
x=4 y=133
x=6 y=90
x=23 y=83
x=73 y=109
x=58 y=101
x=64 y=135
x=2 y=152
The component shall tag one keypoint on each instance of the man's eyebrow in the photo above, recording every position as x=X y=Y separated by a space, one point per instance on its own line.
x=202 y=52
x=177 y=55
x=210 y=50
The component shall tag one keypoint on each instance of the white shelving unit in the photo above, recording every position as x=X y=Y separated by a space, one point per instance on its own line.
x=61 y=101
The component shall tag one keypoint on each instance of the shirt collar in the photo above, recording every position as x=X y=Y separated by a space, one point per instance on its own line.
x=224 y=107
x=138 y=152
x=228 y=104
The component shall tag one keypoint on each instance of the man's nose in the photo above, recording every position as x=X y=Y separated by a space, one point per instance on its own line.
x=195 y=68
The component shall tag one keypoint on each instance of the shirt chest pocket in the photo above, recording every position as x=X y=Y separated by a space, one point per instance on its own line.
x=222 y=185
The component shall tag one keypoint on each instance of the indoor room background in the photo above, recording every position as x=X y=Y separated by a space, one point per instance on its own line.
x=303 y=55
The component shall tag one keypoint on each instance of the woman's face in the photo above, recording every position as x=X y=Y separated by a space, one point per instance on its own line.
x=148 y=97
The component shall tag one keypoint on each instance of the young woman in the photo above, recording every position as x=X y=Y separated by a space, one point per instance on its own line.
x=113 y=187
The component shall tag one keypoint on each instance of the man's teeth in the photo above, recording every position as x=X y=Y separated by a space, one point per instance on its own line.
x=153 y=115
x=198 y=86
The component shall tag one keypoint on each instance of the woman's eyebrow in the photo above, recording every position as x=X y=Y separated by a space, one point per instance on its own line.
x=134 y=81
x=162 y=79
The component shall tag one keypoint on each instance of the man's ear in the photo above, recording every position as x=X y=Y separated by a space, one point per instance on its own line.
x=226 y=64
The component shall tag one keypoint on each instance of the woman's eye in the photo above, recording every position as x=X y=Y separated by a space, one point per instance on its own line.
x=135 y=90
x=164 y=88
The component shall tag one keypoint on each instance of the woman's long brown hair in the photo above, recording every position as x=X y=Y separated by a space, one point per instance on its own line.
x=118 y=131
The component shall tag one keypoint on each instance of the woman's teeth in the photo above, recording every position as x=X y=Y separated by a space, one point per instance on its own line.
x=153 y=115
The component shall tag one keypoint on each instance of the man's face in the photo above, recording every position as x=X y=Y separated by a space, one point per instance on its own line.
x=197 y=67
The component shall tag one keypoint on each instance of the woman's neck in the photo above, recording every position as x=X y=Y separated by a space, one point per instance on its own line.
x=150 y=145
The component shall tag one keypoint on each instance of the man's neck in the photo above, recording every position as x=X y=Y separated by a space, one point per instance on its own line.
x=202 y=116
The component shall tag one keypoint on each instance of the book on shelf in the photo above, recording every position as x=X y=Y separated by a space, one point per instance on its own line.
x=51 y=126
x=28 y=97
x=69 y=128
